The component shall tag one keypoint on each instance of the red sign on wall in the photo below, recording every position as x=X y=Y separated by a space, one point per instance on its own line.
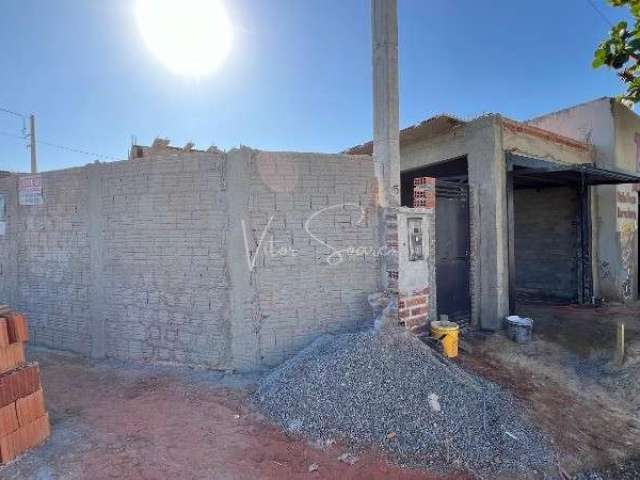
x=30 y=190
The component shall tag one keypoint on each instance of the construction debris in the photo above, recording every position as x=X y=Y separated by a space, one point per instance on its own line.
x=360 y=387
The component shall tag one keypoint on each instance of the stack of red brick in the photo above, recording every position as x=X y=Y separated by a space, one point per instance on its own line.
x=24 y=422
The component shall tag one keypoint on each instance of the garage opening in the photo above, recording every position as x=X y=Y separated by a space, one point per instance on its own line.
x=452 y=233
x=548 y=206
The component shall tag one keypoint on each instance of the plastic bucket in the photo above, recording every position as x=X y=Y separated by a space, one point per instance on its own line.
x=519 y=328
x=447 y=333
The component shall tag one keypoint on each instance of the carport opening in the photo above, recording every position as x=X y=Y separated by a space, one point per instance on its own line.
x=549 y=229
x=452 y=233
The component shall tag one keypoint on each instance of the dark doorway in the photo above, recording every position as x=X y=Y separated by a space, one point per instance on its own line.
x=452 y=250
x=452 y=234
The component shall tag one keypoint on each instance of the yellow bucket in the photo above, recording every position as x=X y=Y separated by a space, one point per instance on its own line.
x=447 y=333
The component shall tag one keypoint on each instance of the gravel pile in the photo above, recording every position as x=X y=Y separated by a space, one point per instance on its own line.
x=392 y=391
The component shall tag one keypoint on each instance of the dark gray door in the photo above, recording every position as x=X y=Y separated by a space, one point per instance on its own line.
x=452 y=250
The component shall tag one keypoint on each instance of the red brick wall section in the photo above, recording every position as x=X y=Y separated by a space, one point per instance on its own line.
x=424 y=192
x=26 y=437
x=11 y=356
x=16 y=327
x=24 y=422
x=30 y=408
x=414 y=309
x=4 y=333
x=19 y=383
x=8 y=419
x=391 y=244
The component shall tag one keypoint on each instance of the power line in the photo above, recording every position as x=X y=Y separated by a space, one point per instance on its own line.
x=11 y=112
x=600 y=13
x=62 y=147
x=76 y=150
x=65 y=148
x=19 y=115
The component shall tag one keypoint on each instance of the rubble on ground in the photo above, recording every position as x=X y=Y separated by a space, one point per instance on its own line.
x=391 y=391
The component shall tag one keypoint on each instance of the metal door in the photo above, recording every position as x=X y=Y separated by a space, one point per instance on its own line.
x=452 y=250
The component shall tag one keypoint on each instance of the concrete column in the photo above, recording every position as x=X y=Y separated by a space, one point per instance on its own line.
x=95 y=221
x=386 y=127
x=487 y=176
x=245 y=318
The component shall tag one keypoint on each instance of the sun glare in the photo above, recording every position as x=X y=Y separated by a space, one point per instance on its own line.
x=191 y=37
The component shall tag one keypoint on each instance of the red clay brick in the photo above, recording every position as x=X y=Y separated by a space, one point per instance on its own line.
x=26 y=437
x=413 y=301
x=19 y=383
x=419 y=311
x=8 y=419
x=30 y=408
x=422 y=291
x=17 y=327
x=4 y=333
x=11 y=357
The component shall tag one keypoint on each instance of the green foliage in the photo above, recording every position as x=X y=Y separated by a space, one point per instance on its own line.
x=621 y=50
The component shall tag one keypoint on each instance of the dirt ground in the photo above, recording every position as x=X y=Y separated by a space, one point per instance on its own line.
x=572 y=386
x=117 y=421
x=111 y=421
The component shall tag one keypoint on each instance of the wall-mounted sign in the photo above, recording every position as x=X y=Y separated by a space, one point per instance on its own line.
x=30 y=190
x=3 y=214
x=626 y=208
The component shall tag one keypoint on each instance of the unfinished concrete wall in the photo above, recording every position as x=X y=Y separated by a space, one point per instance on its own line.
x=417 y=304
x=546 y=244
x=531 y=141
x=8 y=243
x=53 y=262
x=160 y=244
x=611 y=128
x=229 y=261
x=311 y=226
x=627 y=157
x=589 y=122
x=481 y=142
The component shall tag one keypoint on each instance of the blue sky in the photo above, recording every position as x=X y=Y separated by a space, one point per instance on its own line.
x=299 y=76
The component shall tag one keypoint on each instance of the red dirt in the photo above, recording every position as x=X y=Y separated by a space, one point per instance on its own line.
x=152 y=424
x=590 y=428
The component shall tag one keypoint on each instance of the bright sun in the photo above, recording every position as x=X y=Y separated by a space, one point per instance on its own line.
x=191 y=37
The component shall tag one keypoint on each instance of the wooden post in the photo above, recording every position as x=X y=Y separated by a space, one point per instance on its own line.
x=620 y=343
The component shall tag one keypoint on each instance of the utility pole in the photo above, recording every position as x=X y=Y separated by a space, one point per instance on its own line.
x=386 y=137
x=386 y=121
x=34 y=163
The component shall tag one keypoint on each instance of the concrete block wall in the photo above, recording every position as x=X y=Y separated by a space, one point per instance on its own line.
x=8 y=243
x=311 y=226
x=226 y=260
x=53 y=261
x=546 y=242
x=163 y=259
